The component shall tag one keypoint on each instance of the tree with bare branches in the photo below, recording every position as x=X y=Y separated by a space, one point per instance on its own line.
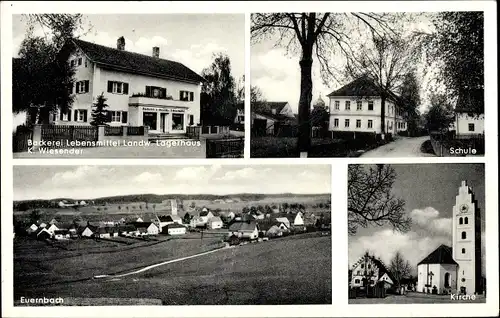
x=386 y=61
x=400 y=268
x=371 y=201
x=322 y=35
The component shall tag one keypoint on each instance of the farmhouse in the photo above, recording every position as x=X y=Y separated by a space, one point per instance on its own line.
x=51 y=228
x=128 y=229
x=271 y=118
x=88 y=231
x=368 y=271
x=141 y=90
x=61 y=234
x=43 y=234
x=205 y=215
x=272 y=228
x=175 y=229
x=244 y=229
x=215 y=223
x=456 y=269
x=356 y=107
x=284 y=220
x=32 y=228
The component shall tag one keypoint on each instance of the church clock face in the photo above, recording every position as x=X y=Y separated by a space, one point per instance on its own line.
x=464 y=208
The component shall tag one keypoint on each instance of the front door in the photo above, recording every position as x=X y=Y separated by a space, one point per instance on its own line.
x=163 y=122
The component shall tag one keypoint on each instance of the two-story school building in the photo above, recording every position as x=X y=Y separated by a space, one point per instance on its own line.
x=141 y=90
x=356 y=107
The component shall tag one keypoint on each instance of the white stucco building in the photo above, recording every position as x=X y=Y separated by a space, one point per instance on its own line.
x=368 y=271
x=469 y=118
x=141 y=90
x=356 y=107
x=456 y=269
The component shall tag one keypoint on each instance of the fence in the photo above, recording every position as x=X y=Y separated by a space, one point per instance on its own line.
x=193 y=132
x=113 y=131
x=135 y=131
x=225 y=148
x=60 y=132
x=20 y=139
x=449 y=144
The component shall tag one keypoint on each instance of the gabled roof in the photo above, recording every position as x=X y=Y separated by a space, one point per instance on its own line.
x=361 y=87
x=266 y=109
x=441 y=255
x=471 y=101
x=175 y=226
x=166 y=218
x=137 y=63
x=215 y=219
x=242 y=226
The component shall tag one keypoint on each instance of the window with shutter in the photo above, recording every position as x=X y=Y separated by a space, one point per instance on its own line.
x=124 y=117
x=77 y=87
x=85 y=115
x=110 y=86
x=69 y=115
x=86 y=86
x=125 y=88
x=76 y=115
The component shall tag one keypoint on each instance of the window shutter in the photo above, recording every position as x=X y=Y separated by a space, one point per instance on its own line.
x=86 y=86
x=110 y=86
x=108 y=116
x=77 y=87
x=85 y=115
x=69 y=115
x=61 y=115
x=125 y=88
x=76 y=115
x=181 y=95
x=148 y=91
x=163 y=92
x=124 y=117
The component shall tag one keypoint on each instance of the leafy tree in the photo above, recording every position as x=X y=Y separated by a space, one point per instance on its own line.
x=268 y=209
x=99 y=112
x=285 y=206
x=440 y=114
x=35 y=216
x=320 y=118
x=313 y=34
x=410 y=100
x=42 y=77
x=218 y=97
x=386 y=61
x=399 y=268
x=370 y=199
x=246 y=210
x=193 y=205
x=457 y=49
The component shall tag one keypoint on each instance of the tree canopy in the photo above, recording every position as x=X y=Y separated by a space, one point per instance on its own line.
x=457 y=48
x=218 y=94
x=440 y=114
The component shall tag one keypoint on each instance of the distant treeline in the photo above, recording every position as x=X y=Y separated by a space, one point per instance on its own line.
x=154 y=198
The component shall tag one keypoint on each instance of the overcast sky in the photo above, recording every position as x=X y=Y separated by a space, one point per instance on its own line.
x=429 y=191
x=46 y=182
x=187 y=38
x=277 y=72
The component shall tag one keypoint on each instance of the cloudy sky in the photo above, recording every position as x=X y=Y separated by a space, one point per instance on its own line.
x=429 y=191
x=46 y=182
x=277 y=72
x=187 y=38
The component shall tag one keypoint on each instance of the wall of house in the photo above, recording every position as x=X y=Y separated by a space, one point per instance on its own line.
x=462 y=122
x=137 y=84
x=353 y=114
x=365 y=264
x=287 y=111
x=177 y=231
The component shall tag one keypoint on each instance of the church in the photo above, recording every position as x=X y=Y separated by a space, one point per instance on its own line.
x=456 y=269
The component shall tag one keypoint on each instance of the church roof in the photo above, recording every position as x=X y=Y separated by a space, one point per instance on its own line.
x=441 y=255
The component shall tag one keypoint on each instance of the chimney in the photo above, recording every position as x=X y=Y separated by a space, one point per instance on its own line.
x=120 y=43
x=156 y=52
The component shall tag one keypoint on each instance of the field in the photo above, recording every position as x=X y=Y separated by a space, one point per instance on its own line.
x=292 y=270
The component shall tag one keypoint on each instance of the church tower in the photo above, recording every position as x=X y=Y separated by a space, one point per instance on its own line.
x=467 y=241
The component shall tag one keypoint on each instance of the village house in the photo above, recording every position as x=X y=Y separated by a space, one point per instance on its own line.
x=141 y=90
x=62 y=235
x=51 y=228
x=283 y=220
x=468 y=124
x=126 y=230
x=175 y=229
x=271 y=118
x=32 y=228
x=88 y=231
x=240 y=114
x=244 y=229
x=369 y=271
x=356 y=107
x=272 y=228
x=43 y=234
x=215 y=223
